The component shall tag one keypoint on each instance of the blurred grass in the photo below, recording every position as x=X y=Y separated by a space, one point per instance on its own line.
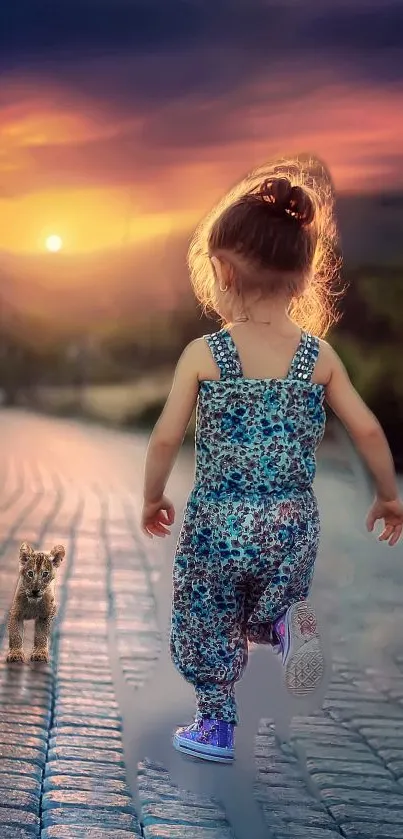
x=135 y=404
x=123 y=379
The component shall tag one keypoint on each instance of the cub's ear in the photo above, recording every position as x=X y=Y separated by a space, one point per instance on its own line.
x=25 y=553
x=57 y=554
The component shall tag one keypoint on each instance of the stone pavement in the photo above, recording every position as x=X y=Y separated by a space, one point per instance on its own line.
x=62 y=748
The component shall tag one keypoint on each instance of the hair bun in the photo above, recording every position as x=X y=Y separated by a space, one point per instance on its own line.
x=290 y=200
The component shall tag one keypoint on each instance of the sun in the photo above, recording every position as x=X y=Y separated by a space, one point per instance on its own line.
x=54 y=243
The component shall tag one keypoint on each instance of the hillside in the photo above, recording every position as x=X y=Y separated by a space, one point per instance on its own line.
x=80 y=291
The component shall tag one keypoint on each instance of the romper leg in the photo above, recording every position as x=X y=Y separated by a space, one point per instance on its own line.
x=208 y=639
x=290 y=569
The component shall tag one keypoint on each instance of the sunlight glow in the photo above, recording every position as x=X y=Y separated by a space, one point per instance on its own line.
x=54 y=244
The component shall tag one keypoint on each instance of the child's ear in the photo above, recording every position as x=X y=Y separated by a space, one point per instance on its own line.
x=217 y=268
x=25 y=553
x=57 y=554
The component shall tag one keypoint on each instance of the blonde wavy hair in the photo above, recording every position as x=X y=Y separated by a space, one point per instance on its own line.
x=309 y=269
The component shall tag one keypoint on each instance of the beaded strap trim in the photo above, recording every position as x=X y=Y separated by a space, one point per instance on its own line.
x=303 y=363
x=225 y=354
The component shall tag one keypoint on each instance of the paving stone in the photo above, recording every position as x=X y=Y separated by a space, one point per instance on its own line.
x=21 y=730
x=386 y=744
x=87 y=798
x=9 y=816
x=85 y=768
x=266 y=762
x=81 y=782
x=390 y=755
x=348 y=812
x=374 y=798
x=369 y=770
x=396 y=766
x=366 y=830
x=357 y=781
x=83 y=692
x=170 y=831
x=83 y=816
x=336 y=695
x=23 y=782
x=298 y=831
x=360 y=753
x=89 y=709
x=22 y=680
x=30 y=675
x=157 y=791
x=61 y=741
x=80 y=832
x=382 y=735
x=20 y=767
x=76 y=647
x=332 y=733
x=82 y=701
x=89 y=629
x=19 y=799
x=89 y=676
x=287 y=780
x=175 y=812
x=11 y=752
x=82 y=659
x=87 y=733
x=8 y=738
x=376 y=722
x=24 y=713
x=309 y=816
x=345 y=709
x=92 y=755
x=83 y=721
x=284 y=795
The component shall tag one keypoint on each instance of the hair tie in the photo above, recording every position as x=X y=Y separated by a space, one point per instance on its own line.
x=287 y=200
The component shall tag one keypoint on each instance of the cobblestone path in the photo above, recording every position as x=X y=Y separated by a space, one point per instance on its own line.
x=62 y=765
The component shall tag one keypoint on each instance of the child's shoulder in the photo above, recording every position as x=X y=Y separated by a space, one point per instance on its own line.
x=327 y=361
x=196 y=348
x=197 y=356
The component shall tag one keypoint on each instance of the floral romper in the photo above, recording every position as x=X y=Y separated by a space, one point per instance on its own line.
x=249 y=539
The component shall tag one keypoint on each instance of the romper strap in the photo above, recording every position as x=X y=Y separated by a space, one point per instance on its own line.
x=305 y=358
x=225 y=354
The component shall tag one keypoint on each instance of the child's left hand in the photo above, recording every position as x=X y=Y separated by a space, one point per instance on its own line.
x=156 y=516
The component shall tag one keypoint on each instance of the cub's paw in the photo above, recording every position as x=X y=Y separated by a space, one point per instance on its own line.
x=15 y=656
x=39 y=655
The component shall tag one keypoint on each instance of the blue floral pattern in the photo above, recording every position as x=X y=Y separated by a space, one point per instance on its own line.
x=249 y=539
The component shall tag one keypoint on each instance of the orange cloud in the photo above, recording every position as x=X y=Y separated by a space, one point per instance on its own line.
x=101 y=178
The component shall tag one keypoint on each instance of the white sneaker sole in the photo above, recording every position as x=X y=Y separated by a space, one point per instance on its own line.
x=304 y=665
x=203 y=752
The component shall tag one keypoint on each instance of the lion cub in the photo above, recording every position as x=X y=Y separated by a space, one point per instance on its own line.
x=34 y=599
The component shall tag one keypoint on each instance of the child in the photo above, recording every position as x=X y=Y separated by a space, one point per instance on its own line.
x=264 y=261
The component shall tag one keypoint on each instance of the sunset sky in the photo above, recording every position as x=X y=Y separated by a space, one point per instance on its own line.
x=122 y=120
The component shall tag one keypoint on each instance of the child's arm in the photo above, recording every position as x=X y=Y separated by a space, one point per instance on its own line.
x=165 y=442
x=370 y=440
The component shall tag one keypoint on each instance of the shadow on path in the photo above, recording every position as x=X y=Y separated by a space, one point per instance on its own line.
x=151 y=713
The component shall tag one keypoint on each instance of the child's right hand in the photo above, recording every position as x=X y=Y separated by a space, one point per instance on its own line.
x=392 y=514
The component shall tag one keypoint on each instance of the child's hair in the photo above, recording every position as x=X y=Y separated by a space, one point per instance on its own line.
x=278 y=230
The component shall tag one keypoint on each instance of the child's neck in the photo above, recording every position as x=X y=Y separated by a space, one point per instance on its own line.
x=264 y=312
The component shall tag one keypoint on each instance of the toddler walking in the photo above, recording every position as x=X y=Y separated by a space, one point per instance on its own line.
x=263 y=261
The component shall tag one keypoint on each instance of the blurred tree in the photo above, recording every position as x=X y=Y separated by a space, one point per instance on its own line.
x=369 y=339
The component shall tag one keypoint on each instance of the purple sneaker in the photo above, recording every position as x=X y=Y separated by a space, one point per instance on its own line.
x=207 y=739
x=300 y=648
